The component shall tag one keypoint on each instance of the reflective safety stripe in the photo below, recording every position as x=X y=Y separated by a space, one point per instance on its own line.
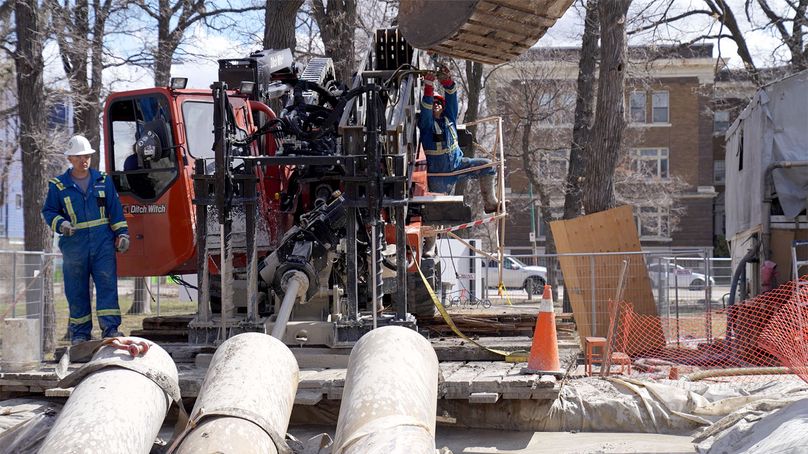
x=80 y=320
x=55 y=222
x=88 y=224
x=450 y=91
x=108 y=312
x=58 y=184
x=437 y=152
x=426 y=105
x=70 y=212
x=102 y=210
x=101 y=194
x=119 y=225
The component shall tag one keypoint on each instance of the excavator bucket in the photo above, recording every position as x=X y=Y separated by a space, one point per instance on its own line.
x=485 y=31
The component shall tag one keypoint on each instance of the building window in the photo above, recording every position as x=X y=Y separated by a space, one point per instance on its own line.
x=556 y=108
x=653 y=222
x=543 y=225
x=553 y=165
x=719 y=172
x=721 y=121
x=18 y=201
x=637 y=104
x=650 y=162
x=659 y=107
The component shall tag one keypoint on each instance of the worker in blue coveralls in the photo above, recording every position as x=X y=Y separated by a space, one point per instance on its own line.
x=438 y=125
x=83 y=207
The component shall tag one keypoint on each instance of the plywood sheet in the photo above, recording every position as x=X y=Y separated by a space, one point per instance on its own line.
x=592 y=277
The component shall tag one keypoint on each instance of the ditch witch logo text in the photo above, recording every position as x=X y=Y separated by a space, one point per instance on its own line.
x=145 y=209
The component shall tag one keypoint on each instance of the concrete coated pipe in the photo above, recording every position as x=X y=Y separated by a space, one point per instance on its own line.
x=390 y=396
x=118 y=404
x=245 y=401
x=21 y=345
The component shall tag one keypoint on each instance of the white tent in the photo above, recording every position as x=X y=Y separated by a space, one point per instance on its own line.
x=773 y=128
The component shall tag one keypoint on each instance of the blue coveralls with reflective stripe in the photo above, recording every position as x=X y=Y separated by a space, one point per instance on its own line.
x=445 y=156
x=90 y=251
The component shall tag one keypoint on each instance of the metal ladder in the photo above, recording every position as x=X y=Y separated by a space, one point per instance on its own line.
x=799 y=284
x=796 y=264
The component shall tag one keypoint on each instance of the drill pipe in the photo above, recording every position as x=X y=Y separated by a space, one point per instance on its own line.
x=245 y=401
x=295 y=284
x=118 y=405
x=390 y=397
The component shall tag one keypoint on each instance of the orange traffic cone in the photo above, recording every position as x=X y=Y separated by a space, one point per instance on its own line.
x=543 y=357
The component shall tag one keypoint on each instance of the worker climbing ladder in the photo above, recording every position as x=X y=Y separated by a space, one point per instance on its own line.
x=498 y=218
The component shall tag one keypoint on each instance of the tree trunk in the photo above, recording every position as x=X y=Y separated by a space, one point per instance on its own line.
x=280 y=18
x=163 y=57
x=474 y=83
x=337 y=23
x=164 y=52
x=584 y=112
x=607 y=131
x=140 y=303
x=30 y=66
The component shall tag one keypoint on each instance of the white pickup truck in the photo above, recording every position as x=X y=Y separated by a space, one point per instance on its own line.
x=515 y=274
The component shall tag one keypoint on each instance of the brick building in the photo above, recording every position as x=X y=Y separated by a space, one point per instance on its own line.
x=667 y=172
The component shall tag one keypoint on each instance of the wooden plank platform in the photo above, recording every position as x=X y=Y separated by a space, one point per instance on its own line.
x=474 y=381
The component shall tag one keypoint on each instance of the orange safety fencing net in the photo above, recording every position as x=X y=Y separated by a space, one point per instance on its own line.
x=766 y=335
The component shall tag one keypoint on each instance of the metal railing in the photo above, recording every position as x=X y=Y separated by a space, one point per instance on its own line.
x=25 y=287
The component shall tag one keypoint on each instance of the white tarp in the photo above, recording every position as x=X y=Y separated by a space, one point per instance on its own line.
x=772 y=128
x=766 y=426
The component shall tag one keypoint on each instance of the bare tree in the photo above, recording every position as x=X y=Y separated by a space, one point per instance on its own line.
x=607 y=130
x=30 y=67
x=584 y=111
x=279 y=27
x=80 y=32
x=778 y=17
x=337 y=22
x=173 y=20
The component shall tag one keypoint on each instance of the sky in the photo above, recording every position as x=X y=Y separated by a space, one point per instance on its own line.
x=762 y=43
x=210 y=45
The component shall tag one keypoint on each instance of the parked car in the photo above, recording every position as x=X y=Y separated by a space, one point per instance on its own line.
x=677 y=275
x=515 y=274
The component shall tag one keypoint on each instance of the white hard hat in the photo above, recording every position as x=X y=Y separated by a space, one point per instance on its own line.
x=79 y=145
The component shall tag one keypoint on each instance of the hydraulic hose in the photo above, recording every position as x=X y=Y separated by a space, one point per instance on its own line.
x=740 y=270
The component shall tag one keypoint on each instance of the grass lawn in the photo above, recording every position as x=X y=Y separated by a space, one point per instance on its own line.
x=169 y=305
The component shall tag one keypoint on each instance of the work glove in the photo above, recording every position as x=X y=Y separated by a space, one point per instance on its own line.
x=429 y=81
x=445 y=77
x=123 y=243
x=67 y=228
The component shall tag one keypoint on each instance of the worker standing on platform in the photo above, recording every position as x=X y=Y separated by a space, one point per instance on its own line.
x=438 y=125
x=83 y=206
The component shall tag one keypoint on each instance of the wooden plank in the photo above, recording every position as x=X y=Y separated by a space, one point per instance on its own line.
x=607 y=231
x=459 y=384
x=490 y=379
x=58 y=392
x=308 y=397
x=324 y=379
x=446 y=370
x=483 y=398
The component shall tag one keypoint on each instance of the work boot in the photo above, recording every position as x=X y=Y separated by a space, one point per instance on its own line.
x=114 y=333
x=489 y=193
x=429 y=246
x=78 y=340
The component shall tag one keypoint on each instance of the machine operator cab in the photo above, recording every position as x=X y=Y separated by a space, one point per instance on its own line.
x=153 y=137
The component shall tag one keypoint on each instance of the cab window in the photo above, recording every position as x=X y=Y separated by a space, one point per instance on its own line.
x=198 y=119
x=143 y=171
